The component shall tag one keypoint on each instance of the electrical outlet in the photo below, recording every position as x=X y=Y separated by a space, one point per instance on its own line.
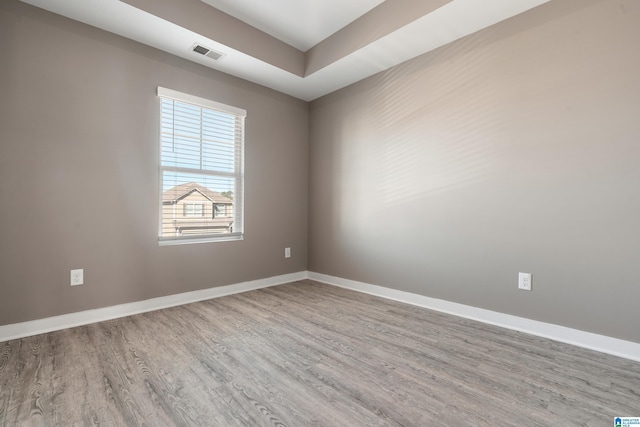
x=287 y=252
x=524 y=281
x=77 y=277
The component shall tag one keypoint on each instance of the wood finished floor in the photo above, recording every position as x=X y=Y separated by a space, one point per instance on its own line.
x=307 y=354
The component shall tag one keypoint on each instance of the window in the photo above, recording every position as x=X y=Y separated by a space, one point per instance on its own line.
x=201 y=169
x=222 y=209
x=193 y=209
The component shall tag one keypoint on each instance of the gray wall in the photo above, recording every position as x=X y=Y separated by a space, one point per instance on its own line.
x=514 y=149
x=79 y=171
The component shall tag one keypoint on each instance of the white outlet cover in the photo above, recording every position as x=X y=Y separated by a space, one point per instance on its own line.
x=77 y=277
x=524 y=281
x=287 y=252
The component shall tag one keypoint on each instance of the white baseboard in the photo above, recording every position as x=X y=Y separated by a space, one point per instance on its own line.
x=617 y=347
x=40 y=326
x=601 y=343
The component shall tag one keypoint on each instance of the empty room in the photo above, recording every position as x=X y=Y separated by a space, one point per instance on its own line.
x=319 y=213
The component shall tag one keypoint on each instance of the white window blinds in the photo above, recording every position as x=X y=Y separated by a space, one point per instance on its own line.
x=201 y=169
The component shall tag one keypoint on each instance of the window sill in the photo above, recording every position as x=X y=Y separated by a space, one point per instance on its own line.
x=208 y=239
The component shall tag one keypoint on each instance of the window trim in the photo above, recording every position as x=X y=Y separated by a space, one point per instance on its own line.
x=202 y=102
x=238 y=175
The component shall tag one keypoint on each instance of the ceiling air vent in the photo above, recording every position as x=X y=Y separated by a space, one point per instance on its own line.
x=209 y=53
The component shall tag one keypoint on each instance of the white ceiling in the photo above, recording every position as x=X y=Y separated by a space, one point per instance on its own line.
x=448 y=23
x=300 y=23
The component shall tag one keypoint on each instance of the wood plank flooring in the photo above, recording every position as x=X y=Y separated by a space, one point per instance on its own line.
x=307 y=354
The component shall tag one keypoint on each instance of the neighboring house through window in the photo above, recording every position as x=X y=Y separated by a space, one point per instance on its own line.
x=191 y=209
x=201 y=169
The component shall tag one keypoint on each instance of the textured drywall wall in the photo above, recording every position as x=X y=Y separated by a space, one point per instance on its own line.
x=515 y=149
x=79 y=171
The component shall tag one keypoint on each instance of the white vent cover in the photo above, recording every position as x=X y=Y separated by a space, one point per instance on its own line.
x=209 y=53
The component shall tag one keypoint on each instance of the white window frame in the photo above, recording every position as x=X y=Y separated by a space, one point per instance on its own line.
x=237 y=175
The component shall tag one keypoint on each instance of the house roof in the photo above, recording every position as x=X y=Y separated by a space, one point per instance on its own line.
x=181 y=191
